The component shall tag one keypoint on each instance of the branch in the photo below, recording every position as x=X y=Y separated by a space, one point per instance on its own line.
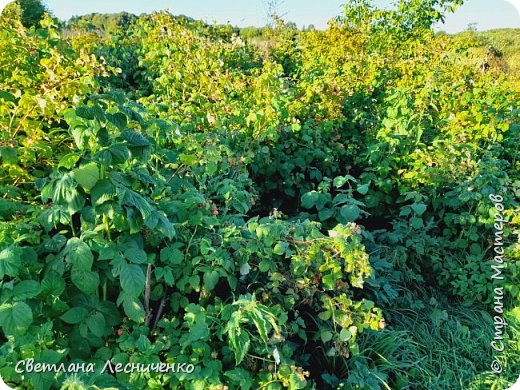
x=160 y=310
x=297 y=242
x=147 y=295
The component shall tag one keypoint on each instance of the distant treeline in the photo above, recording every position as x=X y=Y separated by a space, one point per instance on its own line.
x=105 y=23
x=111 y=23
x=502 y=45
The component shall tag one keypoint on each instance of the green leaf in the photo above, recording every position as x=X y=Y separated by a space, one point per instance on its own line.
x=169 y=279
x=211 y=279
x=51 y=217
x=96 y=323
x=310 y=199
x=261 y=324
x=102 y=192
x=85 y=112
x=120 y=153
x=132 y=198
x=134 y=309
x=69 y=160
x=10 y=261
x=87 y=175
x=362 y=189
x=325 y=315
x=50 y=357
x=79 y=254
x=345 y=334
x=349 y=213
x=417 y=223
x=199 y=330
x=313 y=198
x=340 y=181
x=188 y=159
x=9 y=155
x=118 y=119
x=26 y=289
x=8 y=208
x=326 y=336
x=325 y=214
x=239 y=343
x=74 y=315
x=194 y=281
x=103 y=139
x=15 y=317
x=296 y=382
x=135 y=221
x=280 y=248
x=419 y=208
x=135 y=139
x=240 y=377
x=53 y=284
x=264 y=265
x=342 y=198
x=151 y=220
x=65 y=194
x=132 y=279
x=86 y=281
x=143 y=343
x=165 y=226
x=77 y=132
x=171 y=256
x=7 y=96
x=135 y=255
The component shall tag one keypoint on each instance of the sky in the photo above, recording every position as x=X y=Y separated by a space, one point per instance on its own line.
x=487 y=14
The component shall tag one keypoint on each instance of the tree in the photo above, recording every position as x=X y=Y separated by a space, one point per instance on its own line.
x=12 y=12
x=32 y=12
x=272 y=10
x=291 y=26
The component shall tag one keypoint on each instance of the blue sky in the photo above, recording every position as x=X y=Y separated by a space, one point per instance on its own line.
x=487 y=14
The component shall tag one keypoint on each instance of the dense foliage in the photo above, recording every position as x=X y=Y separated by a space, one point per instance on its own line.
x=28 y=12
x=290 y=209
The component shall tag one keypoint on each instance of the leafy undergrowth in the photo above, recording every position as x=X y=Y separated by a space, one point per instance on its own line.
x=313 y=214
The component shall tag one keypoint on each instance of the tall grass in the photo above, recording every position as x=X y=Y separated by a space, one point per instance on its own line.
x=440 y=347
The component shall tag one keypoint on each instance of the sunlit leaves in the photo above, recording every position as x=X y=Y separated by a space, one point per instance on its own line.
x=102 y=192
x=87 y=175
x=153 y=204
x=64 y=192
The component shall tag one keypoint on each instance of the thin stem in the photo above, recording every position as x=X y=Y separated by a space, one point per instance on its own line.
x=261 y=358
x=107 y=226
x=189 y=243
x=147 y=295
x=21 y=121
x=104 y=290
x=159 y=311
x=268 y=383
